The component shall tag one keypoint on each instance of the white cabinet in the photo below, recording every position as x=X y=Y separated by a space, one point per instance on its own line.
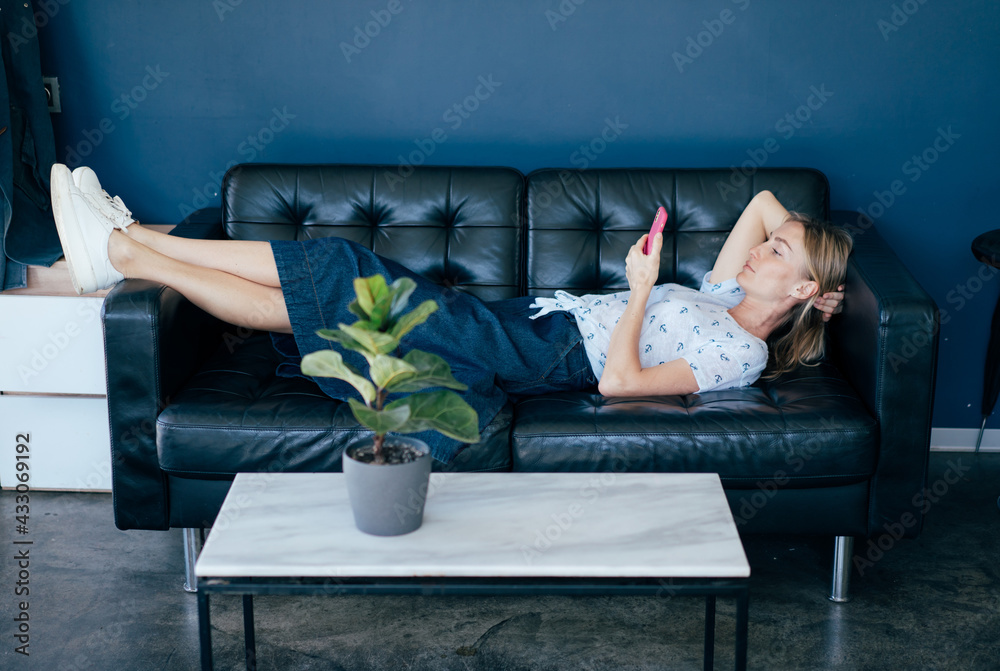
x=53 y=383
x=69 y=441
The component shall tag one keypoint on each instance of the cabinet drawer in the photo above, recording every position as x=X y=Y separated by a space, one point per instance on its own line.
x=51 y=345
x=69 y=446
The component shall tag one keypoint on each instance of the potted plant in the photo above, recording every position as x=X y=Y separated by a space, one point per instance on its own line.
x=387 y=475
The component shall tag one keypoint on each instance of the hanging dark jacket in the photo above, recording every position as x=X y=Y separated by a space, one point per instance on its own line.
x=27 y=149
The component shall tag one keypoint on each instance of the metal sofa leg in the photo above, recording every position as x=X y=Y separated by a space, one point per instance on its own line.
x=842 y=550
x=190 y=555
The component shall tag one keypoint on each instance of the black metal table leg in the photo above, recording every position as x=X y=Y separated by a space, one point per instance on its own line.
x=737 y=589
x=709 y=632
x=742 y=622
x=204 y=631
x=249 y=640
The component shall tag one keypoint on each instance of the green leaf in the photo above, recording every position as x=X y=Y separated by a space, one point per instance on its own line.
x=374 y=342
x=387 y=371
x=380 y=421
x=356 y=310
x=400 y=290
x=366 y=325
x=411 y=320
x=374 y=298
x=431 y=371
x=327 y=363
x=367 y=290
x=345 y=341
x=442 y=411
x=331 y=334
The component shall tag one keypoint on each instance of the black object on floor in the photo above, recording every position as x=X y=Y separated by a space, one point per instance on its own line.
x=986 y=249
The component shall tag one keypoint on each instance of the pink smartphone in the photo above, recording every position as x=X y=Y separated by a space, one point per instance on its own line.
x=659 y=221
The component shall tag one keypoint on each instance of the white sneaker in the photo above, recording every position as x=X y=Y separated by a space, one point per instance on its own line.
x=83 y=231
x=114 y=209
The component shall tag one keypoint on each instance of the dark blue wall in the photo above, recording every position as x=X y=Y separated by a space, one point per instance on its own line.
x=210 y=83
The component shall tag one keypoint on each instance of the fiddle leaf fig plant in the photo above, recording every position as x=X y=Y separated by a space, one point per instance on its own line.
x=376 y=335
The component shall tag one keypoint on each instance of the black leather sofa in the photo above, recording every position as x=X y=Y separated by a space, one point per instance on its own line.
x=839 y=449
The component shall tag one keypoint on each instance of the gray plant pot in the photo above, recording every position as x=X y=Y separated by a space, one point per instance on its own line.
x=388 y=499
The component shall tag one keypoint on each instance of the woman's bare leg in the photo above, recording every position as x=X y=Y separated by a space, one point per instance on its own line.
x=249 y=259
x=231 y=298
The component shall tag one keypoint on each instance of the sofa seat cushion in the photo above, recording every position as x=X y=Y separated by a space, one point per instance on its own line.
x=806 y=429
x=237 y=415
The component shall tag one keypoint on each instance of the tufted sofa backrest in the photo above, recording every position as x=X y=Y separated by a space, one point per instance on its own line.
x=457 y=227
x=581 y=224
x=497 y=234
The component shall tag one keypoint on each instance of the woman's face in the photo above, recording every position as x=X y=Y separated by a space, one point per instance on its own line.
x=776 y=268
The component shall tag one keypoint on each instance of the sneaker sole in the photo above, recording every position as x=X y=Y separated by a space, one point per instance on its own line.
x=81 y=273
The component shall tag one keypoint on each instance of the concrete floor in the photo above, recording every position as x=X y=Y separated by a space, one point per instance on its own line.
x=111 y=600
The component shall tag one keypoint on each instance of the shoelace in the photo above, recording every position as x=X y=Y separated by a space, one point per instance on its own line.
x=112 y=208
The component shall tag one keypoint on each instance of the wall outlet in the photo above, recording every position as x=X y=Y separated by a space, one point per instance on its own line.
x=52 y=94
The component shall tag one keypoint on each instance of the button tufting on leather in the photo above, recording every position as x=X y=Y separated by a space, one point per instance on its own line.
x=444 y=215
x=364 y=212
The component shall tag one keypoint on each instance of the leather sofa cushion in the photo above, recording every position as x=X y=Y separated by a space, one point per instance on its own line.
x=237 y=415
x=806 y=429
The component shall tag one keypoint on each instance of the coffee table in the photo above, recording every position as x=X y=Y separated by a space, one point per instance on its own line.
x=658 y=534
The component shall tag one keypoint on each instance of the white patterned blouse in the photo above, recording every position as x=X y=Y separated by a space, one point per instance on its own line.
x=679 y=323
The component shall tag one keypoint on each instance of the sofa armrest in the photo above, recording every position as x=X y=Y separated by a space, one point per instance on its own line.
x=154 y=339
x=886 y=342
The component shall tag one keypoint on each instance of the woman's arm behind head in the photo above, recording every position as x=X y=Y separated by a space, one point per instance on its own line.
x=758 y=221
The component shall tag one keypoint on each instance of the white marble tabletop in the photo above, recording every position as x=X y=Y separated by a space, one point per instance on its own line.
x=607 y=525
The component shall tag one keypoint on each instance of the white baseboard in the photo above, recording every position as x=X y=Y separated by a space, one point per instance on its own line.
x=964 y=440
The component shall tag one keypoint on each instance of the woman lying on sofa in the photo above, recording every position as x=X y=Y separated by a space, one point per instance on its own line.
x=775 y=283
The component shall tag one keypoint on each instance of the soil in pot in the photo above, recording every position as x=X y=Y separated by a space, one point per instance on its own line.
x=392 y=452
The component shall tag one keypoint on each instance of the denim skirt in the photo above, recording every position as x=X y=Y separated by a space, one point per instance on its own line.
x=493 y=347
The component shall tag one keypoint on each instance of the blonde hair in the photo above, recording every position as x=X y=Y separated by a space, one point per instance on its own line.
x=799 y=341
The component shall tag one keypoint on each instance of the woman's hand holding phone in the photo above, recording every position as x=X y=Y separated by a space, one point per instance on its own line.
x=642 y=265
